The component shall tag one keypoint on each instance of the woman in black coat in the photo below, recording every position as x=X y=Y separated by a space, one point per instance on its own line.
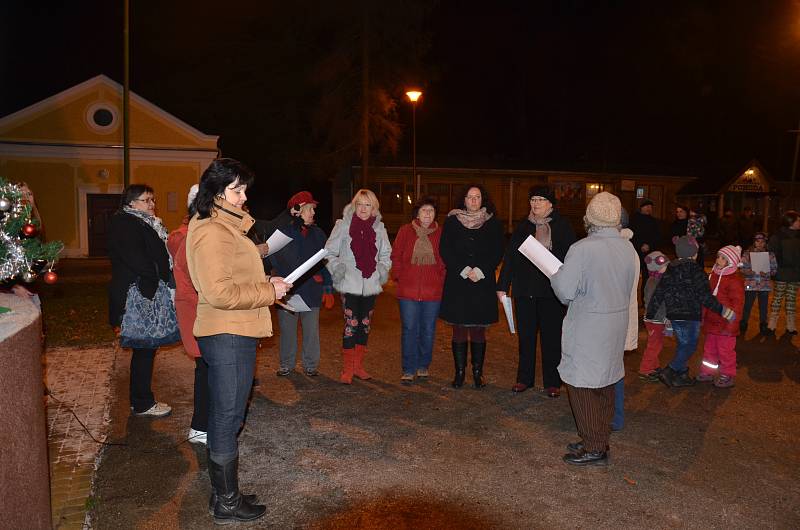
x=138 y=251
x=471 y=248
x=537 y=308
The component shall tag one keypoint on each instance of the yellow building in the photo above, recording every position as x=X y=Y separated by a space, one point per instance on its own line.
x=68 y=148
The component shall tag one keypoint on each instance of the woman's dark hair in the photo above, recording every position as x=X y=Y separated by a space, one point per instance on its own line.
x=219 y=175
x=133 y=192
x=425 y=201
x=788 y=218
x=486 y=199
x=684 y=208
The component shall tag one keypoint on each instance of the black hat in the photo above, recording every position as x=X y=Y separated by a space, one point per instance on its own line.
x=542 y=191
x=646 y=202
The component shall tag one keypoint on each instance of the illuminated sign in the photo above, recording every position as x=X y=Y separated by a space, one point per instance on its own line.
x=750 y=181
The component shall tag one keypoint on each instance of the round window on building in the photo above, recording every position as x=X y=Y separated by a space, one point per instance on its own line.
x=102 y=117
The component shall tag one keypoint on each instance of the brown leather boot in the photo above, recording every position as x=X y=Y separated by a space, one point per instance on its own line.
x=348 y=356
x=358 y=367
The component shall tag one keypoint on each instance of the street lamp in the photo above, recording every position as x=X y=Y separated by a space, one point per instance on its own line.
x=413 y=96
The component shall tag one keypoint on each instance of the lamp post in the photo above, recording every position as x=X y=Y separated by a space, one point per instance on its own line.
x=413 y=96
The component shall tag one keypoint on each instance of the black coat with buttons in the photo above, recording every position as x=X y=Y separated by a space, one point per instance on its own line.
x=465 y=302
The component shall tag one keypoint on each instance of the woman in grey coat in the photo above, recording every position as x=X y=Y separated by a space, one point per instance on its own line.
x=359 y=259
x=595 y=283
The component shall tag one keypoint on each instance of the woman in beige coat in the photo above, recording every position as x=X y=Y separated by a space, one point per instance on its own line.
x=232 y=314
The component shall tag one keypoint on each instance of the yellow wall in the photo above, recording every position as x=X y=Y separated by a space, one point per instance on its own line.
x=53 y=189
x=165 y=178
x=68 y=124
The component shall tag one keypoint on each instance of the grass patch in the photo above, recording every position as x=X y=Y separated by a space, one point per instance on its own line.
x=75 y=313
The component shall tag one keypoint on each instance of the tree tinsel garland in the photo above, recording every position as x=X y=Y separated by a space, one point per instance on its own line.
x=17 y=253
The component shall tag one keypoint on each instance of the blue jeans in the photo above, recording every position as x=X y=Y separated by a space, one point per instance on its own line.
x=686 y=334
x=619 y=406
x=419 y=329
x=231 y=363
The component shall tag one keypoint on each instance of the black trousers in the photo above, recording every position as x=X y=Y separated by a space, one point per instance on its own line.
x=357 y=319
x=141 y=395
x=543 y=316
x=200 y=415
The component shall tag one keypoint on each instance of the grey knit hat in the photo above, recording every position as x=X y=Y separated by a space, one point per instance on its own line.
x=685 y=246
x=604 y=210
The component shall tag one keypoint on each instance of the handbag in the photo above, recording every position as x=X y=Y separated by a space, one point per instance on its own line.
x=149 y=323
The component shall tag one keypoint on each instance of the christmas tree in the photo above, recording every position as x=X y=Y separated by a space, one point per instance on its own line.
x=23 y=256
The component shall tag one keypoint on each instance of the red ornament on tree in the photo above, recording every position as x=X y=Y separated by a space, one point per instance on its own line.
x=29 y=230
x=50 y=277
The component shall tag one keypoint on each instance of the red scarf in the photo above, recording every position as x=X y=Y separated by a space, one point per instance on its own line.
x=363 y=244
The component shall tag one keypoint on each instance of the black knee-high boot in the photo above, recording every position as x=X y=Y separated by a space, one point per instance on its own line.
x=230 y=504
x=478 y=354
x=460 y=360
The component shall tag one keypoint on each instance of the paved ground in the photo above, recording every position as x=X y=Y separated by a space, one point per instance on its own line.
x=381 y=455
x=79 y=381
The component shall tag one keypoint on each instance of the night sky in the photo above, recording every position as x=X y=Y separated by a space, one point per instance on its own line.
x=690 y=88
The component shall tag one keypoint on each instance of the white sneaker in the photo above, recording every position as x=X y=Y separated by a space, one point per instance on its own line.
x=159 y=410
x=198 y=437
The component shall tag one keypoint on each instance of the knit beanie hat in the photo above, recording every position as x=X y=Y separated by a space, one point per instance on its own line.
x=685 y=246
x=542 y=191
x=192 y=194
x=734 y=256
x=656 y=262
x=604 y=210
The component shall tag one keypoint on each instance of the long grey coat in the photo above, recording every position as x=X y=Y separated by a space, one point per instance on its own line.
x=595 y=283
x=347 y=278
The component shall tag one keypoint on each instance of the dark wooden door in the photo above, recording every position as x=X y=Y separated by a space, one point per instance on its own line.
x=100 y=207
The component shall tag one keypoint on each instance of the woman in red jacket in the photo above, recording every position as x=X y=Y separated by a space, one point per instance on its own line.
x=418 y=271
x=186 y=309
x=719 y=350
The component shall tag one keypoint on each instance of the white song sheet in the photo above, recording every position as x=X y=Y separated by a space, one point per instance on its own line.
x=759 y=261
x=277 y=241
x=295 y=304
x=509 y=311
x=540 y=256
x=306 y=266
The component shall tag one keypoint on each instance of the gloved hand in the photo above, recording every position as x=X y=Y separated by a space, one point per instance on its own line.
x=327 y=300
x=728 y=313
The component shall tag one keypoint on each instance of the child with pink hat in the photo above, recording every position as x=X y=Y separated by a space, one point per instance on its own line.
x=719 y=349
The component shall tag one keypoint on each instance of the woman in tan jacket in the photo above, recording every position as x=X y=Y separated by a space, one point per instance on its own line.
x=232 y=314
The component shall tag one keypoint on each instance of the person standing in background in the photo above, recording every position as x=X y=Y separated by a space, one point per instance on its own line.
x=418 y=272
x=538 y=310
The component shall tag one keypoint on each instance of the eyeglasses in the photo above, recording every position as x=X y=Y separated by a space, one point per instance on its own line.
x=658 y=260
x=148 y=201
x=539 y=199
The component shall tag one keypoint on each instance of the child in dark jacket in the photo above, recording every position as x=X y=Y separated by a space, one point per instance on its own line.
x=719 y=350
x=684 y=291
x=656 y=264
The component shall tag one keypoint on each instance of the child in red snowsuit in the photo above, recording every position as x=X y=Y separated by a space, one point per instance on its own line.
x=719 y=350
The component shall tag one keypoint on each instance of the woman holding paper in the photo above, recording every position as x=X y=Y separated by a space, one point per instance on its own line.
x=471 y=247
x=418 y=272
x=359 y=261
x=314 y=287
x=595 y=282
x=538 y=310
x=232 y=314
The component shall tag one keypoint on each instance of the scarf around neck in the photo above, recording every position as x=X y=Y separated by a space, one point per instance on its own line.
x=362 y=243
x=727 y=270
x=153 y=222
x=423 y=248
x=471 y=220
x=543 y=234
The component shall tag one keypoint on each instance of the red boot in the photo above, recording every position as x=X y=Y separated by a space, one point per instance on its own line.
x=358 y=367
x=348 y=356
